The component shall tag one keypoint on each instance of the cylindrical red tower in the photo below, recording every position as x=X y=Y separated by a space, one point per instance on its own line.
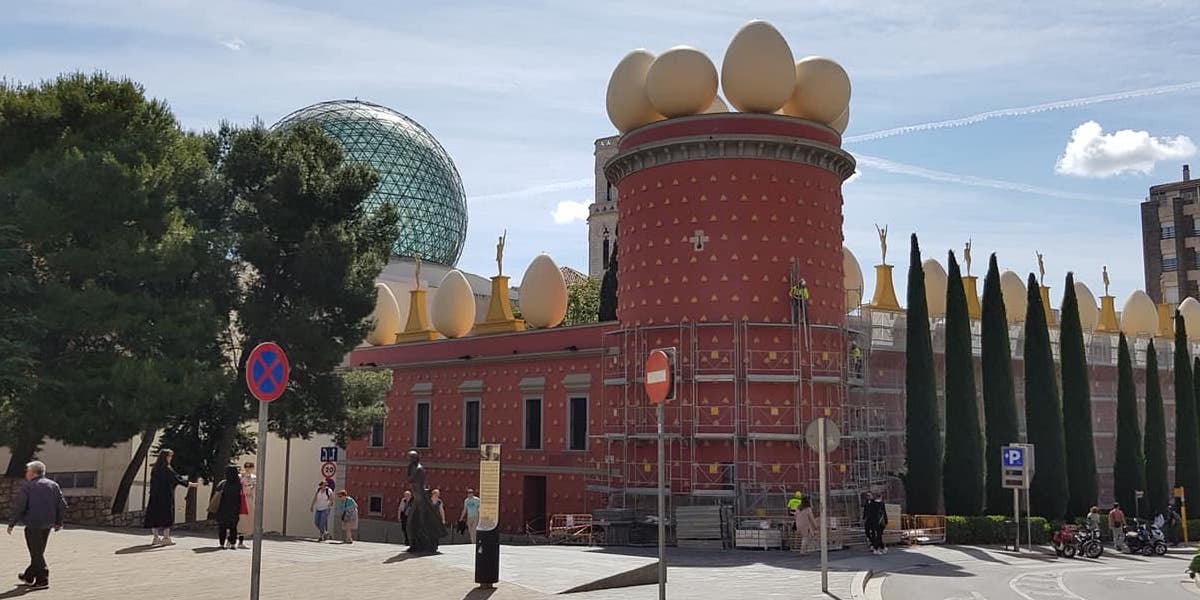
x=714 y=210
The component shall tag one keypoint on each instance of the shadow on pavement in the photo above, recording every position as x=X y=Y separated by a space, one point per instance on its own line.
x=137 y=549
x=841 y=561
x=977 y=554
x=207 y=549
x=479 y=594
x=20 y=590
x=403 y=556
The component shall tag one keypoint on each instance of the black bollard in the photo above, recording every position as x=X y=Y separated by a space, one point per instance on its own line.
x=487 y=557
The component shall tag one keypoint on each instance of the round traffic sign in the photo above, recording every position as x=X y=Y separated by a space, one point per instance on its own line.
x=833 y=435
x=328 y=470
x=658 y=376
x=267 y=371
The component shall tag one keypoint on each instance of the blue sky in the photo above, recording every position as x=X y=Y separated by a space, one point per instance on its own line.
x=515 y=92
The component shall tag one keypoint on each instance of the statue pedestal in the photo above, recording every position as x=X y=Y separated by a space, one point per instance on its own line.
x=969 y=286
x=1108 y=316
x=1045 y=292
x=500 y=317
x=885 y=292
x=417 y=329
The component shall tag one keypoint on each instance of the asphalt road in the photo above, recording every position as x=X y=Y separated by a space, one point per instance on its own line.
x=1006 y=576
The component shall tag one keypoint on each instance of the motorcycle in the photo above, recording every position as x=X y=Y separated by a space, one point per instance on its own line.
x=1088 y=542
x=1065 y=542
x=1148 y=541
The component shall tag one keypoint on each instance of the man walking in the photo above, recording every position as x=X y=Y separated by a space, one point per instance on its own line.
x=470 y=513
x=1116 y=524
x=39 y=505
x=406 y=506
x=874 y=522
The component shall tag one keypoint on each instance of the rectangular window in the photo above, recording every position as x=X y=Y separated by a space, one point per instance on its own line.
x=375 y=505
x=1170 y=262
x=74 y=479
x=533 y=423
x=1168 y=232
x=422 y=438
x=577 y=417
x=1171 y=294
x=377 y=434
x=471 y=424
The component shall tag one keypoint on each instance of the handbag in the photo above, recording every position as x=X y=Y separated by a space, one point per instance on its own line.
x=214 y=503
x=350 y=513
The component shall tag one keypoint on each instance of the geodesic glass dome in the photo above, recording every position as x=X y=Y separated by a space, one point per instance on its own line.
x=416 y=174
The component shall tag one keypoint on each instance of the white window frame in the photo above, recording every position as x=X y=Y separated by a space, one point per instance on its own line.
x=375 y=513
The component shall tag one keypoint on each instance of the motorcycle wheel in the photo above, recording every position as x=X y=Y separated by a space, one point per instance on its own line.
x=1160 y=548
x=1093 y=550
x=1068 y=550
x=1147 y=550
x=1058 y=551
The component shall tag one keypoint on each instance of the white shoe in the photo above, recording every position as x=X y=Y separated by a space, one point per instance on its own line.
x=242 y=546
x=156 y=542
x=168 y=542
x=883 y=551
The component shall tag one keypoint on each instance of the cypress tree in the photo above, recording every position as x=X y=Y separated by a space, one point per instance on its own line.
x=1187 y=455
x=922 y=426
x=1129 y=472
x=608 y=290
x=1077 y=408
x=962 y=470
x=1158 y=492
x=1043 y=413
x=999 y=400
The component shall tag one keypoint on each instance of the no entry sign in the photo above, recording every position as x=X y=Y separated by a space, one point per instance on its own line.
x=267 y=371
x=659 y=376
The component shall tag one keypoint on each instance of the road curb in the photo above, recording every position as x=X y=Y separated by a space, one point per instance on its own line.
x=858 y=586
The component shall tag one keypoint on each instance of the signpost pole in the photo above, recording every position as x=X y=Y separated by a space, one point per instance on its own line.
x=1028 y=518
x=256 y=558
x=662 y=527
x=1017 y=519
x=824 y=508
x=287 y=479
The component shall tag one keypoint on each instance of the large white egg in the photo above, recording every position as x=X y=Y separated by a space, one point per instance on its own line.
x=1015 y=294
x=717 y=106
x=758 y=74
x=1139 y=315
x=822 y=90
x=453 y=306
x=935 y=287
x=852 y=279
x=842 y=122
x=681 y=81
x=1190 y=310
x=543 y=293
x=1089 y=312
x=628 y=105
x=386 y=316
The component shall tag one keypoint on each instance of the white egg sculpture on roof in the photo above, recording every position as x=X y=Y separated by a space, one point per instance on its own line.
x=1139 y=315
x=543 y=293
x=386 y=316
x=758 y=73
x=935 y=287
x=453 y=313
x=1016 y=300
x=1089 y=312
x=842 y=122
x=681 y=81
x=822 y=90
x=627 y=103
x=1190 y=310
x=717 y=106
x=852 y=279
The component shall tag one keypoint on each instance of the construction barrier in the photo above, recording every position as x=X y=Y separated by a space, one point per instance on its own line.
x=573 y=529
x=923 y=529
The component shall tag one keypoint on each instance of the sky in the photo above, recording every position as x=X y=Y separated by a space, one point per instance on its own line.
x=1049 y=121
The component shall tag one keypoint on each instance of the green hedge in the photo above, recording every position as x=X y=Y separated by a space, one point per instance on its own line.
x=990 y=530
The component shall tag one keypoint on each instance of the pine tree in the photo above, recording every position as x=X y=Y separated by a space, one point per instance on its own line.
x=1077 y=408
x=962 y=470
x=1129 y=474
x=1043 y=413
x=922 y=428
x=1158 y=492
x=1187 y=454
x=999 y=400
x=608 y=289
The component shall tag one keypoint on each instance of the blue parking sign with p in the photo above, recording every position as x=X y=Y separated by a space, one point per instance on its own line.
x=1013 y=456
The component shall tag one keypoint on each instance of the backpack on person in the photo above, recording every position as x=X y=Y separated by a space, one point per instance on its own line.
x=350 y=512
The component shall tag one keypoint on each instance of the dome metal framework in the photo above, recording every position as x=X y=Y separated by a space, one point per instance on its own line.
x=416 y=175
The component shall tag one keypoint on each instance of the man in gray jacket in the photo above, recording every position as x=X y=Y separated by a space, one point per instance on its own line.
x=40 y=506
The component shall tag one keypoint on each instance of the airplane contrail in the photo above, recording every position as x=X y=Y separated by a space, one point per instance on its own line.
x=872 y=162
x=545 y=188
x=1023 y=110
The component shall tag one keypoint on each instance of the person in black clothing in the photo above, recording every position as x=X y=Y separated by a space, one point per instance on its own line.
x=40 y=506
x=160 y=510
x=1173 y=524
x=229 y=507
x=874 y=521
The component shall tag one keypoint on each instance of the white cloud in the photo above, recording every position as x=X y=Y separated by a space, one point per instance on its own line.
x=234 y=44
x=569 y=211
x=543 y=188
x=1093 y=153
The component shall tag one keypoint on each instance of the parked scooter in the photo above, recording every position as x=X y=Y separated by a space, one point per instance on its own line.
x=1145 y=540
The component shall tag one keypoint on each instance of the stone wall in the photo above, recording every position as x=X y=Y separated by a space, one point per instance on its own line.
x=81 y=510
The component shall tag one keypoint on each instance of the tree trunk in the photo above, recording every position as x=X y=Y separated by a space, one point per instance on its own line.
x=121 y=498
x=22 y=452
